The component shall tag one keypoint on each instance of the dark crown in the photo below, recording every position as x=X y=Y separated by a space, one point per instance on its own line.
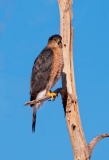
x=56 y=36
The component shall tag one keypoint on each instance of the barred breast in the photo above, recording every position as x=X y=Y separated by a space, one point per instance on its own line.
x=57 y=67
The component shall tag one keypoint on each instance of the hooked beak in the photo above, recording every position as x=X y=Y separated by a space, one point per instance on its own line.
x=60 y=44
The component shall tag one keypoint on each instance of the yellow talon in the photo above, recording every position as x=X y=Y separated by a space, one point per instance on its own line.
x=52 y=95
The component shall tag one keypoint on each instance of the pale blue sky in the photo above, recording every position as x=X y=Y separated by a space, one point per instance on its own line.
x=24 y=30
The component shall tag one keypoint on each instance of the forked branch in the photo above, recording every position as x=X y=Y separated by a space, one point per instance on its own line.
x=92 y=144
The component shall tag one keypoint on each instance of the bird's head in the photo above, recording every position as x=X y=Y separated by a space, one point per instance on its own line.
x=55 y=41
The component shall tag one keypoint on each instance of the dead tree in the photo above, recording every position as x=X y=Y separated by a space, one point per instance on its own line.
x=81 y=150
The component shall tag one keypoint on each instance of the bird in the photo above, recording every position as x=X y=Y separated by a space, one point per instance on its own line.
x=46 y=71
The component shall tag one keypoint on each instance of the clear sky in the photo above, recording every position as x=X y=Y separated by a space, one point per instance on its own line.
x=24 y=30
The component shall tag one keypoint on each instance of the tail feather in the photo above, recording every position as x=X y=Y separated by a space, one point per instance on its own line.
x=34 y=120
x=35 y=107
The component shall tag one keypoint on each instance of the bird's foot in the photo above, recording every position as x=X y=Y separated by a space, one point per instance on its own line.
x=52 y=95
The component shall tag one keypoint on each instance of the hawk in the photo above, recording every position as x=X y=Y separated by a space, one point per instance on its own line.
x=46 y=71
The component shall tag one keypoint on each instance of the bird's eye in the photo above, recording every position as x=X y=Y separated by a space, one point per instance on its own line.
x=58 y=41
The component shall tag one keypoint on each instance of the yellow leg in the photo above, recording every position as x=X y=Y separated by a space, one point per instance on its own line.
x=52 y=95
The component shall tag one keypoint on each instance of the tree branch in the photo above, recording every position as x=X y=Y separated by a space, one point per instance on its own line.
x=62 y=92
x=92 y=144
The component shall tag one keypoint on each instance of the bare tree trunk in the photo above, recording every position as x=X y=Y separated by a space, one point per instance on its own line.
x=68 y=82
x=80 y=148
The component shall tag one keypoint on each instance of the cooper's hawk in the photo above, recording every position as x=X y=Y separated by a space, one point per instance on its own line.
x=46 y=71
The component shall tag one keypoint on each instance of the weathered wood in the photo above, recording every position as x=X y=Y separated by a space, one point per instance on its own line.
x=92 y=144
x=68 y=83
x=81 y=150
